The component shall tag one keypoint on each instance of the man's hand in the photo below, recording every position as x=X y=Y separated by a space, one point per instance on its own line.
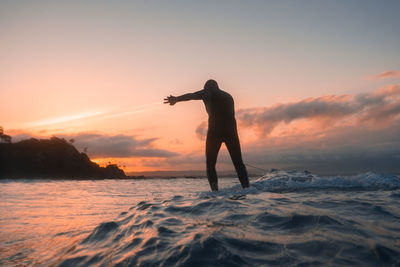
x=170 y=100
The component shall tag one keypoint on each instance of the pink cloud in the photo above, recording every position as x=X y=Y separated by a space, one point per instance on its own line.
x=386 y=74
x=380 y=106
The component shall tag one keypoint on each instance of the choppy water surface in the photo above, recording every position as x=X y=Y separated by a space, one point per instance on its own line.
x=283 y=219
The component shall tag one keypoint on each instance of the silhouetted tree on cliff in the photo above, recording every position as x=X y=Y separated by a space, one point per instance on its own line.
x=3 y=137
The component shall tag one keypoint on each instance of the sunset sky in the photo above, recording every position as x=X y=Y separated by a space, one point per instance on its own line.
x=316 y=83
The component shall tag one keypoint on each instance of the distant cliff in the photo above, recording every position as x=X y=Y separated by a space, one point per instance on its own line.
x=53 y=158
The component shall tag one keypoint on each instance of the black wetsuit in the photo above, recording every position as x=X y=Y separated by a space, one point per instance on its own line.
x=221 y=128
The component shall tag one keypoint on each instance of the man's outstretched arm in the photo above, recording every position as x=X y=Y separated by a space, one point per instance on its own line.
x=186 y=97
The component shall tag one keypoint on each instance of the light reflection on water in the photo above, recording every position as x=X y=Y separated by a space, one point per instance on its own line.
x=284 y=218
x=39 y=217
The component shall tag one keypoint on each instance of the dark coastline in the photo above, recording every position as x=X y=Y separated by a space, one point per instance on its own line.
x=53 y=158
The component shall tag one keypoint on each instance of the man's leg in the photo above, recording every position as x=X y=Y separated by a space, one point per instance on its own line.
x=213 y=145
x=233 y=145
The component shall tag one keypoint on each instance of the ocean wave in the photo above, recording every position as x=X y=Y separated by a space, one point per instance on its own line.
x=291 y=181
x=281 y=180
x=252 y=227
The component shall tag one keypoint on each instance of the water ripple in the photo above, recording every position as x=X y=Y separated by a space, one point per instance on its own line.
x=283 y=219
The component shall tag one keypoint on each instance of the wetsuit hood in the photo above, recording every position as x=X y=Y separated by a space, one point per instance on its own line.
x=211 y=85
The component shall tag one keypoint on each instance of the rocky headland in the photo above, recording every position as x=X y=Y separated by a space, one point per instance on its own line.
x=53 y=158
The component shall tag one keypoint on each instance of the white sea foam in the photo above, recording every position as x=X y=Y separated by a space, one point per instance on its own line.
x=291 y=181
x=282 y=180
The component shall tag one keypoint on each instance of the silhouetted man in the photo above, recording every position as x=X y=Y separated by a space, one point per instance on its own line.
x=221 y=128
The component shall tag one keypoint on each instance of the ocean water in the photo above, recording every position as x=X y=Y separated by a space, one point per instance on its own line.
x=283 y=219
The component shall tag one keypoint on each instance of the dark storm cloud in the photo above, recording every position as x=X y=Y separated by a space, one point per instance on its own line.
x=118 y=146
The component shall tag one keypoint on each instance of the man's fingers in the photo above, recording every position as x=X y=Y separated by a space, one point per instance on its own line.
x=168 y=99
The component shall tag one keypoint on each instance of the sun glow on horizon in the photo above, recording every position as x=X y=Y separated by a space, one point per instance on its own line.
x=82 y=69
